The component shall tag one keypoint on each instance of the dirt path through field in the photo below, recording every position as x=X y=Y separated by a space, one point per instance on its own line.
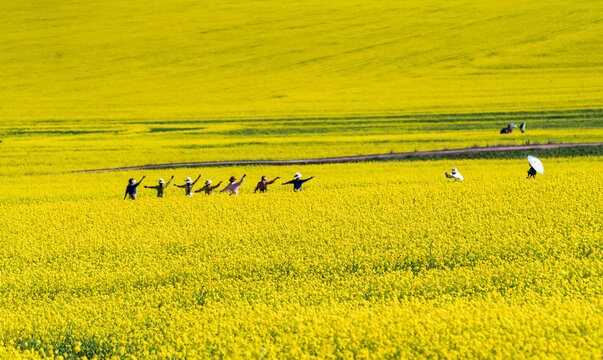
x=344 y=159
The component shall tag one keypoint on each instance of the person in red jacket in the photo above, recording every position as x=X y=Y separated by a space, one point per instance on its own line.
x=263 y=184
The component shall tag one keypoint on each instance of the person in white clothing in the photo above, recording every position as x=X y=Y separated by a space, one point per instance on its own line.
x=454 y=174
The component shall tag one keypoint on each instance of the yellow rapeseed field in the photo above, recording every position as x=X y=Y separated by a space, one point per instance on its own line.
x=183 y=59
x=370 y=261
x=378 y=260
x=42 y=147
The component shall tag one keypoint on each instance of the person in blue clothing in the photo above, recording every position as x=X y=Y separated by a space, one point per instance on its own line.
x=131 y=189
x=298 y=181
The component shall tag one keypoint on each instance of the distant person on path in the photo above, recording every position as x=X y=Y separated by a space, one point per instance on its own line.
x=208 y=188
x=263 y=184
x=233 y=187
x=161 y=187
x=298 y=181
x=454 y=174
x=131 y=188
x=188 y=185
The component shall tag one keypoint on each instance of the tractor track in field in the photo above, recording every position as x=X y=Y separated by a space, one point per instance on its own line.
x=345 y=159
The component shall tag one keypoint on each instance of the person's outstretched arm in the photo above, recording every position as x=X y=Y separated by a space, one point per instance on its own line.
x=198 y=177
x=211 y=188
x=140 y=182
x=241 y=181
x=288 y=182
x=203 y=188
x=180 y=186
x=169 y=181
x=310 y=178
x=272 y=182
x=126 y=195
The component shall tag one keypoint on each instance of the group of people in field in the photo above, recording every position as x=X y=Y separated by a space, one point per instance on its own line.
x=233 y=185
x=232 y=188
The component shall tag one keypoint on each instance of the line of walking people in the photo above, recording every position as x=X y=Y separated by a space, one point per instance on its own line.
x=232 y=188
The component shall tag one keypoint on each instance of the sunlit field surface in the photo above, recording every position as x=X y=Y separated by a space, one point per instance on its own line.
x=94 y=84
x=59 y=146
x=372 y=260
x=200 y=59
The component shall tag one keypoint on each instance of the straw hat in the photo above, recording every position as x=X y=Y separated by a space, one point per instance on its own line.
x=188 y=180
x=132 y=181
x=297 y=175
x=161 y=181
x=453 y=170
x=207 y=182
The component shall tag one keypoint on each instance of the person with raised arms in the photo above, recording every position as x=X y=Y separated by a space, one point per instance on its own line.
x=131 y=188
x=188 y=185
x=263 y=184
x=161 y=187
x=298 y=181
x=208 y=188
x=233 y=187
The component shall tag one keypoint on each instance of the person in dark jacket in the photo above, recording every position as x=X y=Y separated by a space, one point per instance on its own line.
x=131 y=188
x=531 y=172
x=208 y=188
x=161 y=187
x=263 y=184
x=298 y=181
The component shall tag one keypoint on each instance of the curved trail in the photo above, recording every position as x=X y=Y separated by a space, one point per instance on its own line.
x=344 y=159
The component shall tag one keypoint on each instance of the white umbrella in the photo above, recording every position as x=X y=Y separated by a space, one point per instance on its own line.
x=513 y=125
x=536 y=164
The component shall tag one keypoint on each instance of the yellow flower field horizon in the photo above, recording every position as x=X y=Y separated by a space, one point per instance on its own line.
x=231 y=59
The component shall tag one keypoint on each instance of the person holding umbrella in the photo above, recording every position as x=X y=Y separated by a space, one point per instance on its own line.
x=263 y=184
x=161 y=187
x=454 y=174
x=188 y=185
x=298 y=181
x=233 y=187
x=535 y=166
x=131 y=188
x=208 y=188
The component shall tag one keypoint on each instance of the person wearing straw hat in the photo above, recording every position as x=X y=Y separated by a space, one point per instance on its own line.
x=188 y=185
x=298 y=181
x=161 y=187
x=263 y=184
x=131 y=188
x=233 y=187
x=208 y=188
x=454 y=174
